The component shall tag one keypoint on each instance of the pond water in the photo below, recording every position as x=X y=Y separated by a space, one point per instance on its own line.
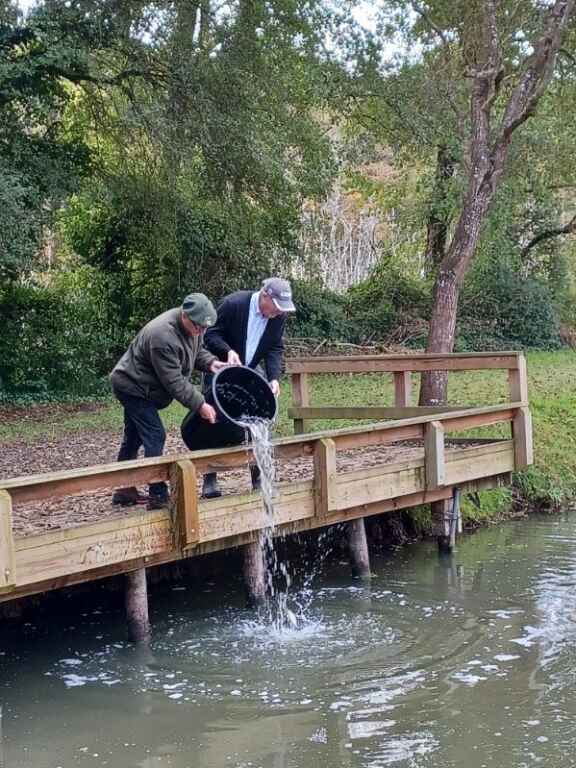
x=462 y=661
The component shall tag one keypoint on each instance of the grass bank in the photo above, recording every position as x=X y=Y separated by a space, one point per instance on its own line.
x=552 y=386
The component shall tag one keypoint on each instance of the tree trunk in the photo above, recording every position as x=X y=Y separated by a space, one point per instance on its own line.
x=434 y=387
x=439 y=217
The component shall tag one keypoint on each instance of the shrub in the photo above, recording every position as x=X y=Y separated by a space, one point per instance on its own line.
x=499 y=309
x=55 y=340
x=321 y=313
x=388 y=299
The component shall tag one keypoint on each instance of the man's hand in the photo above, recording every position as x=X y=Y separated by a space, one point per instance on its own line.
x=275 y=387
x=234 y=358
x=217 y=365
x=207 y=412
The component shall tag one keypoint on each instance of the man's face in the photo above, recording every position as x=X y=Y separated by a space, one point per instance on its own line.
x=267 y=306
x=191 y=328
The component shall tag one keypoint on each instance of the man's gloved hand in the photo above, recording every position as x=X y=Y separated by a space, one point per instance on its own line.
x=234 y=358
x=207 y=412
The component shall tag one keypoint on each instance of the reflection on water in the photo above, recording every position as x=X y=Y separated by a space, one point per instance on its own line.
x=464 y=661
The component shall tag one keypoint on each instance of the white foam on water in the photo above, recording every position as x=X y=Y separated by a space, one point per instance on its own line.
x=367 y=729
x=468 y=679
x=406 y=747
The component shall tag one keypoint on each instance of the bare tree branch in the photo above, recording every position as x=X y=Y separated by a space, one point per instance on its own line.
x=538 y=70
x=424 y=14
x=548 y=234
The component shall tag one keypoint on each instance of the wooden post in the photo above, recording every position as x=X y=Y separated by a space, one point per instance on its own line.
x=7 y=557
x=402 y=388
x=518 y=382
x=434 y=455
x=522 y=435
x=300 y=398
x=137 y=606
x=255 y=572
x=358 y=547
x=324 y=476
x=185 y=503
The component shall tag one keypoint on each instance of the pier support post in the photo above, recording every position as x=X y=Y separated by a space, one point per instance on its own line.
x=447 y=522
x=255 y=572
x=358 y=547
x=137 y=606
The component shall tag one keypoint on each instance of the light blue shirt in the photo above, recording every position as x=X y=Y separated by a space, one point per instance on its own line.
x=256 y=326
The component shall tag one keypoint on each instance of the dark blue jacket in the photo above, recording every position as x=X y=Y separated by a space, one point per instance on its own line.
x=231 y=330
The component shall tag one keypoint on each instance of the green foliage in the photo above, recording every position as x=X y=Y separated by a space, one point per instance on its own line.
x=500 y=309
x=55 y=339
x=385 y=301
x=39 y=162
x=321 y=314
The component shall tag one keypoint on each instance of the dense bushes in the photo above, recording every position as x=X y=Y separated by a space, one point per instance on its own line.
x=321 y=313
x=66 y=337
x=58 y=340
x=386 y=302
x=500 y=310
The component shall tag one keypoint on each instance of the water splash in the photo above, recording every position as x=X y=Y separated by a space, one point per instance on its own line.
x=280 y=613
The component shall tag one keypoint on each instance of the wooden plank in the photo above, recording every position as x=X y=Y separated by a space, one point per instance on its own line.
x=393 y=481
x=248 y=515
x=367 y=487
x=325 y=480
x=145 y=537
x=518 y=382
x=367 y=412
x=112 y=524
x=402 y=389
x=474 y=463
x=185 y=502
x=300 y=398
x=62 y=483
x=7 y=552
x=393 y=363
x=522 y=436
x=434 y=458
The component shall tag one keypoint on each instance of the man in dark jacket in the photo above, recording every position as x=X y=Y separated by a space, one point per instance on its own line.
x=249 y=331
x=155 y=370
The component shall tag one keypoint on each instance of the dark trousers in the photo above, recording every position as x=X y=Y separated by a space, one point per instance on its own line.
x=142 y=427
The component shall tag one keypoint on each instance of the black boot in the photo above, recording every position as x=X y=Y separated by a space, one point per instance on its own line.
x=158 y=498
x=127 y=497
x=210 y=488
x=256 y=479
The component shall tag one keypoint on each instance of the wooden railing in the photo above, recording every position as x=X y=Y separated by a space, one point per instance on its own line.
x=43 y=561
x=401 y=367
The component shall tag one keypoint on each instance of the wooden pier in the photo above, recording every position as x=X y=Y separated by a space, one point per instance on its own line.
x=442 y=457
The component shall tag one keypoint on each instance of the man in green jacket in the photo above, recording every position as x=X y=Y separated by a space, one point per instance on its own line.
x=155 y=370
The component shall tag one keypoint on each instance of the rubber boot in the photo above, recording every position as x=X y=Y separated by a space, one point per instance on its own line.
x=256 y=479
x=210 y=488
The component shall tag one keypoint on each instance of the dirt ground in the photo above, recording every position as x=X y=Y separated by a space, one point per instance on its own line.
x=20 y=458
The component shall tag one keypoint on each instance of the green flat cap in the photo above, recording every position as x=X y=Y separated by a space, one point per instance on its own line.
x=198 y=308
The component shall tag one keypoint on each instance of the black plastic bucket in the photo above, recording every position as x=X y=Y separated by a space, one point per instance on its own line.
x=236 y=392
x=241 y=393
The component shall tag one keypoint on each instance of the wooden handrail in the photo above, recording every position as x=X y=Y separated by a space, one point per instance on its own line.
x=401 y=367
x=397 y=363
x=53 y=484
